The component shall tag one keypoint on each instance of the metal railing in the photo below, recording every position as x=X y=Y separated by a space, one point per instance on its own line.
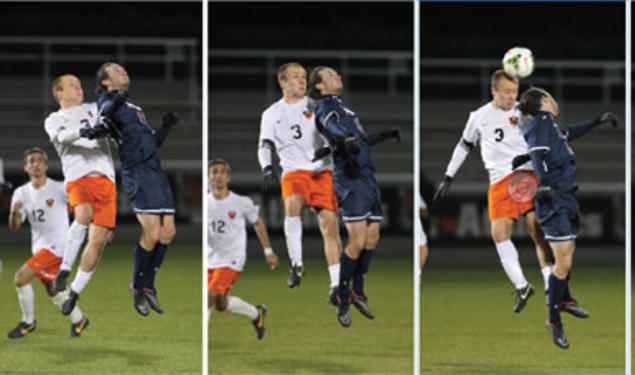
x=263 y=65
x=77 y=51
x=607 y=75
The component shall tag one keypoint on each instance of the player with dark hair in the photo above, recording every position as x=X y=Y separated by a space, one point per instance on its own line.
x=143 y=179
x=557 y=208
x=357 y=191
x=43 y=203
x=228 y=215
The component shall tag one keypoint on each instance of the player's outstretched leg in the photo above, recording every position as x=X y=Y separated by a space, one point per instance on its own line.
x=166 y=234
x=293 y=237
x=554 y=324
x=27 y=305
x=74 y=240
x=329 y=228
x=149 y=290
x=359 y=298
x=259 y=322
x=236 y=305
x=79 y=321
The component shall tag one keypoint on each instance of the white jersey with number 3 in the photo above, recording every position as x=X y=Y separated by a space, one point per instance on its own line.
x=227 y=232
x=46 y=210
x=292 y=129
x=500 y=137
x=81 y=157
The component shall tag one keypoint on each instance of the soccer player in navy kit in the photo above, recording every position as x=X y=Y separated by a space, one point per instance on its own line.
x=556 y=205
x=358 y=195
x=143 y=179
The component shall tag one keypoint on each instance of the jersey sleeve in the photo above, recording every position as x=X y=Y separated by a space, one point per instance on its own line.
x=251 y=210
x=19 y=196
x=267 y=128
x=53 y=127
x=538 y=142
x=470 y=132
x=328 y=115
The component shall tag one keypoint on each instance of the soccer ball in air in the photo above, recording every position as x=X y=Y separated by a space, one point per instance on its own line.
x=519 y=62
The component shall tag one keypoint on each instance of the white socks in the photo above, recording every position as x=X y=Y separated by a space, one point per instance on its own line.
x=334 y=273
x=293 y=235
x=509 y=259
x=27 y=303
x=235 y=305
x=74 y=239
x=58 y=299
x=81 y=280
x=546 y=271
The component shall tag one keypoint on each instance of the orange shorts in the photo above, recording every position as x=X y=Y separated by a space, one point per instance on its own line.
x=316 y=188
x=501 y=204
x=220 y=280
x=45 y=264
x=100 y=192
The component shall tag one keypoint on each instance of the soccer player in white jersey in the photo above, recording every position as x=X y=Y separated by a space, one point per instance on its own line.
x=41 y=202
x=422 y=239
x=89 y=175
x=228 y=214
x=288 y=128
x=495 y=126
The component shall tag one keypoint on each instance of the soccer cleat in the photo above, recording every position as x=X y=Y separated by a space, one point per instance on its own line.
x=79 y=327
x=259 y=322
x=361 y=303
x=332 y=297
x=574 y=309
x=59 y=281
x=295 y=277
x=69 y=304
x=557 y=334
x=522 y=296
x=21 y=330
x=151 y=296
x=343 y=310
x=139 y=301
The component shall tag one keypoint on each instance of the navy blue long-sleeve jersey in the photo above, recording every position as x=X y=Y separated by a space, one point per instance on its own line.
x=136 y=138
x=551 y=156
x=337 y=123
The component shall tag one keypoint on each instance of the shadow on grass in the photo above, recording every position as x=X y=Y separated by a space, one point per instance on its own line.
x=77 y=355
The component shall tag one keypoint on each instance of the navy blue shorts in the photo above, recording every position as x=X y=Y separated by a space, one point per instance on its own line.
x=560 y=218
x=358 y=199
x=148 y=189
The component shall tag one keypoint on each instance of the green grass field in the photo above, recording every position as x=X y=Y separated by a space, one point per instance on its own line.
x=303 y=335
x=468 y=326
x=118 y=340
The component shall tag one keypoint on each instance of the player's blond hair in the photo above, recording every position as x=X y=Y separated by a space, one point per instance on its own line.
x=220 y=161
x=101 y=75
x=57 y=84
x=498 y=75
x=282 y=70
x=35 y=150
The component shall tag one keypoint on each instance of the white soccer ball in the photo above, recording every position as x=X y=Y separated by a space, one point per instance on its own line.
x=519 y=62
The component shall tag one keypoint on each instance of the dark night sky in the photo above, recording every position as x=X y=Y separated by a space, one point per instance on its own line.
x=102 y=19
x=552 y=30
x=312 y=26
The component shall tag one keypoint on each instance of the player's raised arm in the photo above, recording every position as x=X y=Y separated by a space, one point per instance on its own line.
x=169 y=120
x=263 y=236
x=460 y=153
x=375 y=138
x=578 y=130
